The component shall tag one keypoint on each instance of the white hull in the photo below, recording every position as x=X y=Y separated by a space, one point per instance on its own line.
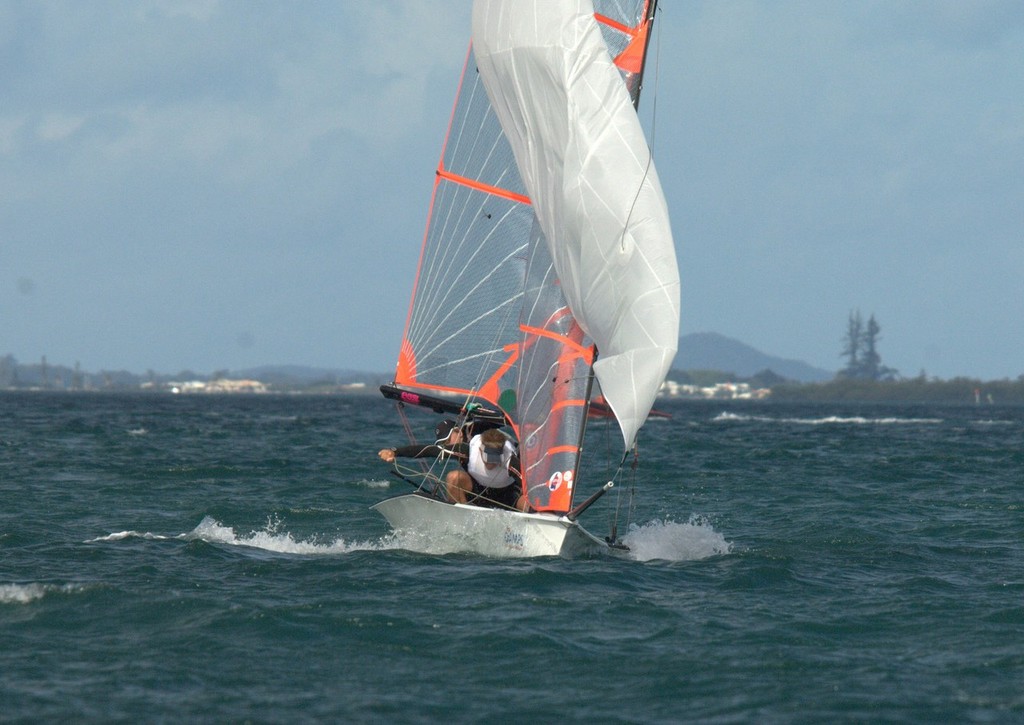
x=425 y=524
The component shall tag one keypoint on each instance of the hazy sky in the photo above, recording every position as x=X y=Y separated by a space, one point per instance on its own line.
x=208 y=184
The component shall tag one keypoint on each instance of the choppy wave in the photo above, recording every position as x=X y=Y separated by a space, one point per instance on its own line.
x=673 y=541
x=827 y=420
x=846 y=547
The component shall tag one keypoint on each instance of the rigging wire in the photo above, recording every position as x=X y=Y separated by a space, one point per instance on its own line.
x=657 y=81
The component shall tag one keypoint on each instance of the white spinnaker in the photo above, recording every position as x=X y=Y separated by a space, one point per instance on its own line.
x=586 y=165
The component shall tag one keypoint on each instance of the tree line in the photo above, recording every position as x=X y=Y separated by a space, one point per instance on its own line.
x=861 y=351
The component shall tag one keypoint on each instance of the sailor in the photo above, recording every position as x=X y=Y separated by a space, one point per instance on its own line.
x=490 y=475
x=490 y=466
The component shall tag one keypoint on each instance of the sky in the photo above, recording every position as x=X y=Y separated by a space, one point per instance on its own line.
x=212 y=184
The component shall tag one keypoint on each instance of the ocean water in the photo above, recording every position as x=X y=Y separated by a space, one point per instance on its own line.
x=214 y=559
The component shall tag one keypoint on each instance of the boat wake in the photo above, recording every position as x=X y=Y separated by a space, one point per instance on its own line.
x=655 y=540
x=673 y=541
x=270 y=538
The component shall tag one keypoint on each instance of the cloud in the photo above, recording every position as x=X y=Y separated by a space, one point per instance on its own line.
x=58 y=126
x=162 y=159
x=260 y=83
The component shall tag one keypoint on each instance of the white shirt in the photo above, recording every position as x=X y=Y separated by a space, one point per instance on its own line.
x=497 y=477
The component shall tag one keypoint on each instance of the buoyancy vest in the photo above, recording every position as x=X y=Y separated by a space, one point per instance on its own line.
x=497 y=477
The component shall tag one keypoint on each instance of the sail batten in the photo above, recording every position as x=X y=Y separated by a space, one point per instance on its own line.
x=486 y=188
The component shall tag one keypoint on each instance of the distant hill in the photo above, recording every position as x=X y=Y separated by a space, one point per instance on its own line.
x=711 y=351
x=698 y=351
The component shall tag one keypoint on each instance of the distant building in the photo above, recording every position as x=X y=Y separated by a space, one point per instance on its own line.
x=221 y=385
x=719 y=391
x=235 y=386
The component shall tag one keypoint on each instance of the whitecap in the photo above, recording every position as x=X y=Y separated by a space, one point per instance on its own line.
x=826 y=420
x=28 y=593
x=122 y=535
x=722 y=417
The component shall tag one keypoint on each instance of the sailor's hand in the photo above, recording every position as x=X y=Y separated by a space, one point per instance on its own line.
x=387 y=455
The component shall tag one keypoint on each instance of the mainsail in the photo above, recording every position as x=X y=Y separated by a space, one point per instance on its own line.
x=489 y=320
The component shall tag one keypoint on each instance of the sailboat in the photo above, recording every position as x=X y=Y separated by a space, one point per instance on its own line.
x=547 y=269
